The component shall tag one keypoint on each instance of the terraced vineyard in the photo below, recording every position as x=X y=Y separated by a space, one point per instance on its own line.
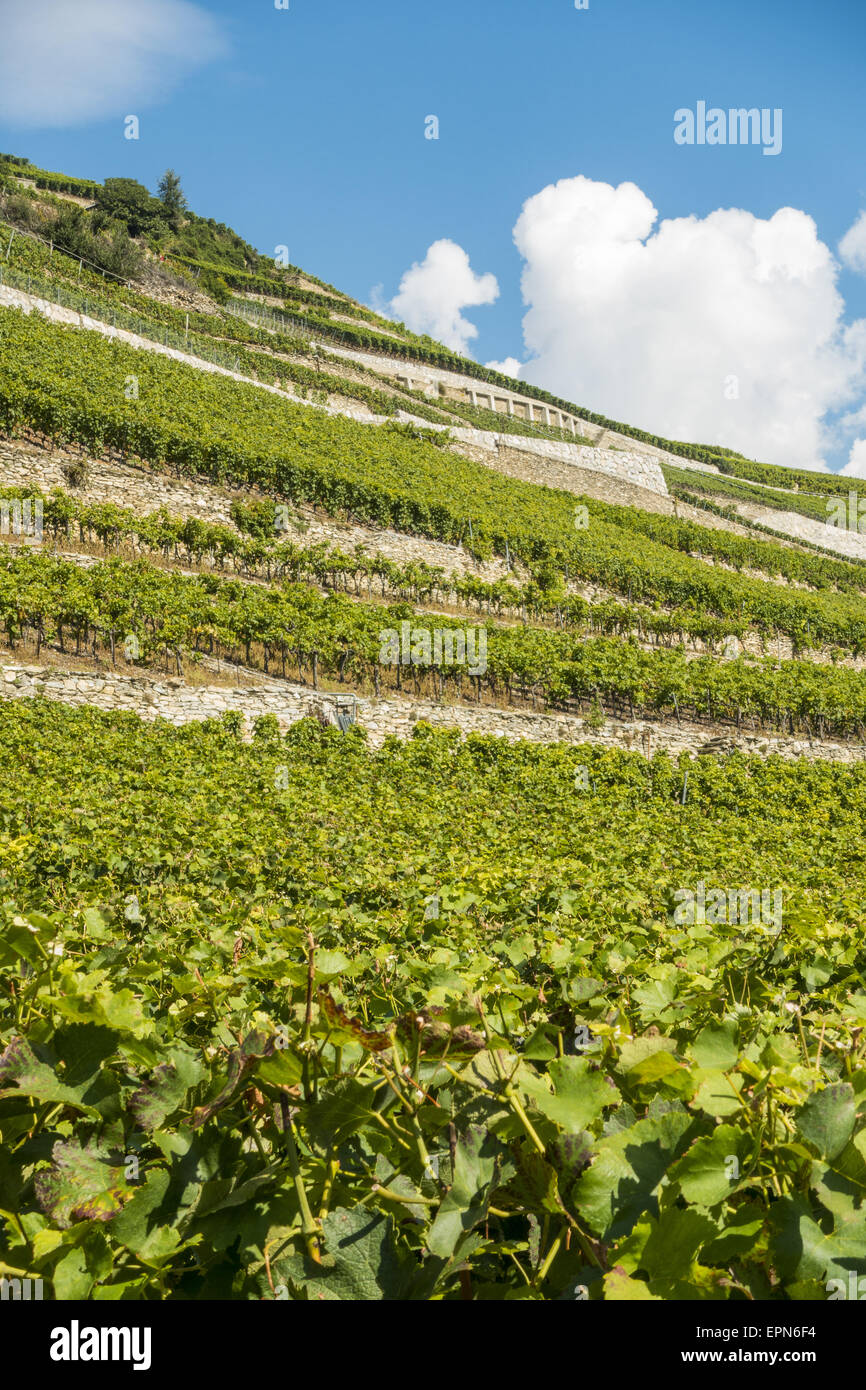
x=286 y=1018
x=472 y=1043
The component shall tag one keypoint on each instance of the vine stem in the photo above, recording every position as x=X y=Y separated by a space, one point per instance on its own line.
x=379 y=1191
x=509 y=1092
x=396 y=1087
x=331 y=1170
x=308 y=1015
x=309 y=1225
x=583 y=1240
x=543 y=1270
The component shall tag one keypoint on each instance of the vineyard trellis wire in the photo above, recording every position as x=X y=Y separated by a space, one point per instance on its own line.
x=80 y=302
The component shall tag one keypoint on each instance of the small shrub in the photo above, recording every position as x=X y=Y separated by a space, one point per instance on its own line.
x=77 y=473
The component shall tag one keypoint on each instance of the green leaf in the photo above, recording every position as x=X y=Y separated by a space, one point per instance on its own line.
x=817 y=972
x=465 y=1203
x=705 y=1173
x=18 y=940
x=850 y=1164
x=90 y=999
x=538 y=1046
x=827 y=1119
x=654 y=1068
x=674 y=1240
x=70 y=1279
x=655 y=998
x=45 y=1242
x=718 y=1092
x=627 y=1171
x=637 y=1051
x=535 y=1184
x=802 y=1250
x=147 y=1226
x=344 y=1108
x=580 y=988
x=98 y=926
x=716 y=1046
x=619 y=1287
x=168 y=1087
x=331 y=963
x=739 y=1239
x=580 y=1094
x=362 y=1262
x=20 y=1065
x=570 y=1155
x=282 y=1069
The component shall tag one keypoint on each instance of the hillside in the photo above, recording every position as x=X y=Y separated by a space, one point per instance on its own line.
x=377 y=718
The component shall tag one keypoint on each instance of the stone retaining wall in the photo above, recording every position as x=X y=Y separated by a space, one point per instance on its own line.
x=144 y=491
x=587 y=477
x=179 y=703
x=631 y=467
x=848 y=543
x=420 y=376
x=559 y=458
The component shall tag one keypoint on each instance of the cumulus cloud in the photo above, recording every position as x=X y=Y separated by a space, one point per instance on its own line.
x=510 y=367
x=64 y=64
x=856 y=465
x=379 y=303
x=433 y=293
x=723 y=329
x=852 y=247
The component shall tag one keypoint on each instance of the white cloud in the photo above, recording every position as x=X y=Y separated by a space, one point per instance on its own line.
x=378 y=303
x=510 y=367
x=856 y=465
x=852 y=247
x=433 y=293
x=64 y=64
x=723 y=329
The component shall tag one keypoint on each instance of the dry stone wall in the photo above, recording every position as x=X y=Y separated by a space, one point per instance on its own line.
x=179 y=704
x=849 y=543
x=555 y=459
x=637 y=469
x=144 y=491
x=421 y=377
x=583 y=478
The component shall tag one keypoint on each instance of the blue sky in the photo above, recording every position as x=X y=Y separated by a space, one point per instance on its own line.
x=306 y=127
